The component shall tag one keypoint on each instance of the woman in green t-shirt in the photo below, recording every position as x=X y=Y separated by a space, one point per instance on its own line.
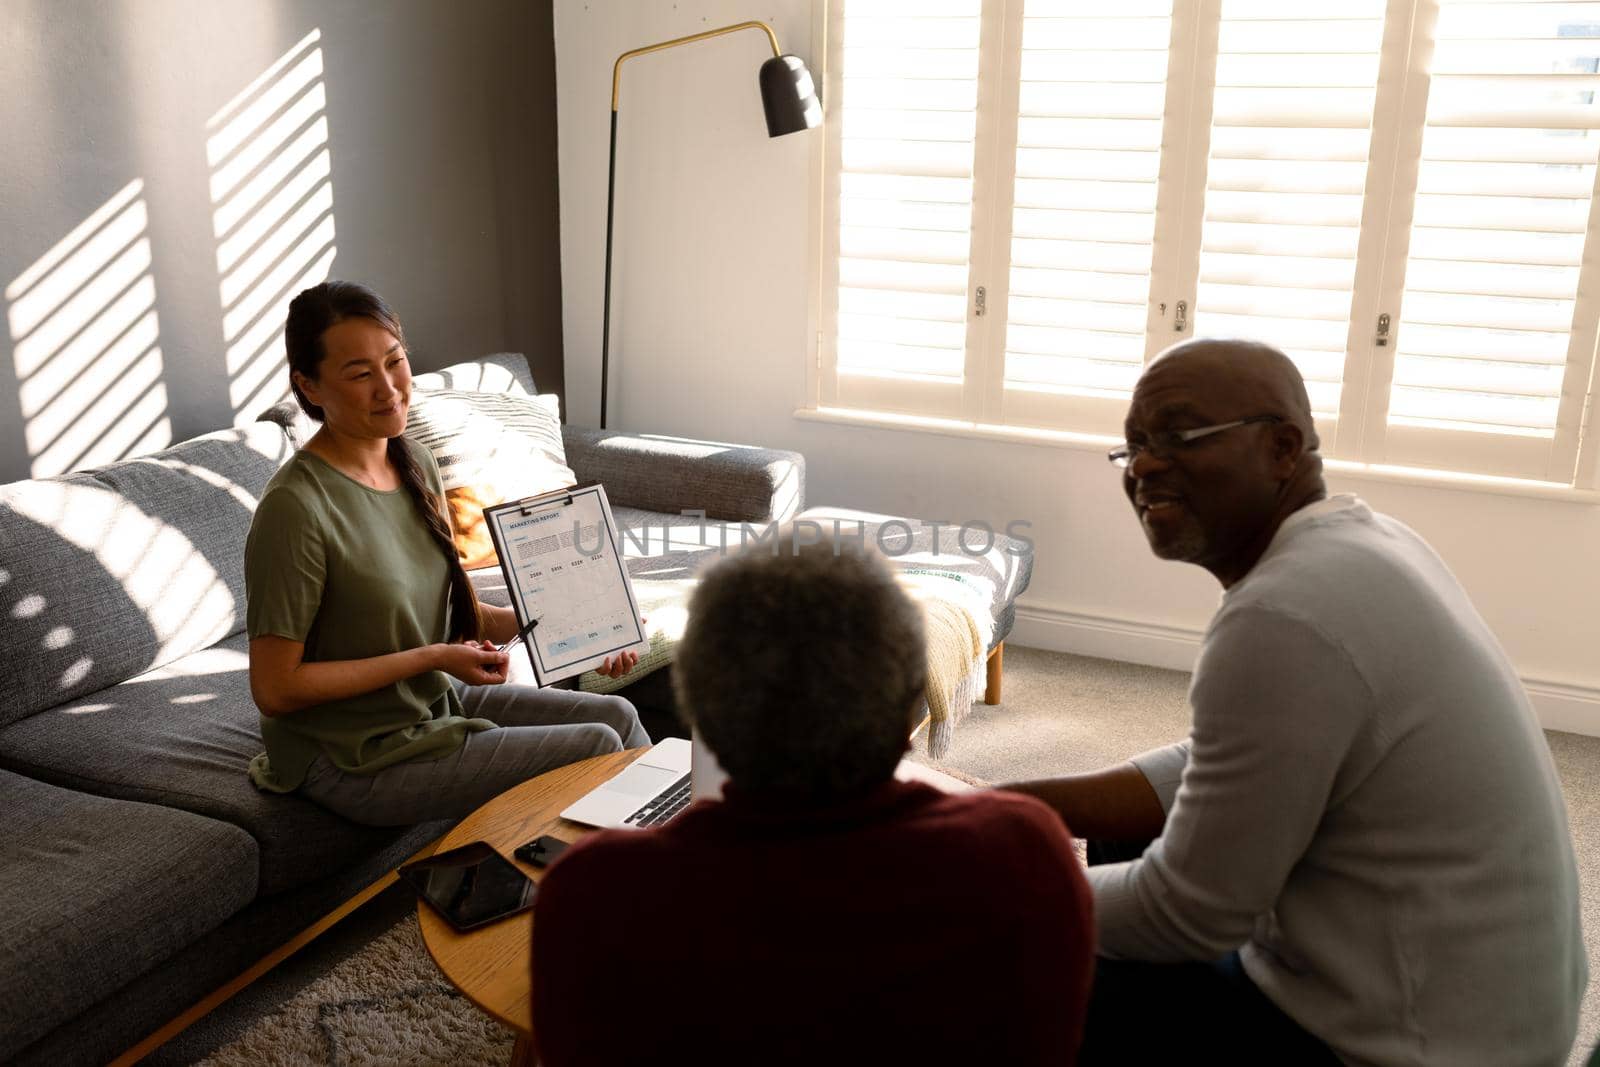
x=382 y=695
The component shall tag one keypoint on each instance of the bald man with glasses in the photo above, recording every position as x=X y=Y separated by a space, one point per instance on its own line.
x=1361 y=853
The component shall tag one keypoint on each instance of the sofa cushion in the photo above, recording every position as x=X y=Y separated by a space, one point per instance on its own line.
x=107 y=573
x=182 y=736
x=490 y=447
x=99 y=891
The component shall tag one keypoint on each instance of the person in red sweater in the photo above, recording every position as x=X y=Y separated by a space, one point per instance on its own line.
x=821 y=912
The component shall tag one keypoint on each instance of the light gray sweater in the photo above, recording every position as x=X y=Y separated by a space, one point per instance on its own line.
x=1367 y=806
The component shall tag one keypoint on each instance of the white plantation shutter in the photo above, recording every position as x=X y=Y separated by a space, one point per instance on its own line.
x=1090 y=103
x=902 y=114
x=1493 y=350
x=1024 y=200
x=1287 y=167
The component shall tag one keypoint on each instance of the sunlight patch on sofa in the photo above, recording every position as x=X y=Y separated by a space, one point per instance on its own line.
x=243 y=496
x=77 y=672
x=213 y=660
x=185 y=602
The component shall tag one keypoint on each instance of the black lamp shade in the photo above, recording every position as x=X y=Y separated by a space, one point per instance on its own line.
x=789 y=96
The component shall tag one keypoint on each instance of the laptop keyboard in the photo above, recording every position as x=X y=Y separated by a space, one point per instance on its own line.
x=663 y=806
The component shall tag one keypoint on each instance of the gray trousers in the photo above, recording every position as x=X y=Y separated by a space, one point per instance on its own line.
x=537 y=730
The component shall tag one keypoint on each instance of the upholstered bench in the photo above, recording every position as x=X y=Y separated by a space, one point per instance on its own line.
x=970 y=578
x=998 y=565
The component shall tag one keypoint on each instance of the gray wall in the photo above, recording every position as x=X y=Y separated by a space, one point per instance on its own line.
x=441 y=142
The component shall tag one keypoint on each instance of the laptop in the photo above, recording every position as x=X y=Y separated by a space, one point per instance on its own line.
x=653 y=788
x=675 y=773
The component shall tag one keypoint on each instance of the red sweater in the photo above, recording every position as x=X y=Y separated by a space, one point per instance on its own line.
x=912 y=926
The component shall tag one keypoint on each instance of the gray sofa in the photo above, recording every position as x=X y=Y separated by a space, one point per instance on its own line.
x=139 y=867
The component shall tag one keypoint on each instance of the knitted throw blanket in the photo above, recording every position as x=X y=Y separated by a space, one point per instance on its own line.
x=956 y=620
x=958 y=629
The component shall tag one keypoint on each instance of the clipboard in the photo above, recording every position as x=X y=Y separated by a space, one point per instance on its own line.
x=569 y=585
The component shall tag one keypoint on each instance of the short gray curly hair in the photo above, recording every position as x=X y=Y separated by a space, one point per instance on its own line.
x=803 y=668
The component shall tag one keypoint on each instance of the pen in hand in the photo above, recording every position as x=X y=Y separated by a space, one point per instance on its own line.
x=505 y=648
x=520 y=635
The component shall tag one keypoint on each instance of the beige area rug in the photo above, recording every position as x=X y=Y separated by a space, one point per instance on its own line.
x=386 y=1005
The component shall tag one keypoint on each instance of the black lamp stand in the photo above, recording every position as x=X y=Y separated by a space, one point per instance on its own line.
x=789 y=98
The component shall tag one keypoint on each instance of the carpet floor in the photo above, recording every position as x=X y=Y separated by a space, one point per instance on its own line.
x=367 y=993
x=387 y=1004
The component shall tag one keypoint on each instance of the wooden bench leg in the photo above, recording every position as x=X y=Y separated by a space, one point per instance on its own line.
x=991 y=685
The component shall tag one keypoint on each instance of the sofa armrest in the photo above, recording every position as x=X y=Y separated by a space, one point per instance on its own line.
x=730 y=483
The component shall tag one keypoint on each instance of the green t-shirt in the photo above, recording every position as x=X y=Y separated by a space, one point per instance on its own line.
x=353 y=573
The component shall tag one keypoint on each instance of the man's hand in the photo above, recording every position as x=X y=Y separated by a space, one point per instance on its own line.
x=618 y=665
x=1115 y=803
x=474 y=662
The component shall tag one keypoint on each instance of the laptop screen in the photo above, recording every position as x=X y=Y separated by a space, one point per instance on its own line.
x=706 y=774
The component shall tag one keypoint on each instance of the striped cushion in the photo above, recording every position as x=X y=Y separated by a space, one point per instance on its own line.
x=491 y=447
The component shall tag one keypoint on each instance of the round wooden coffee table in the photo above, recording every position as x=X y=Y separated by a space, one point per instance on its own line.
x=493 y=965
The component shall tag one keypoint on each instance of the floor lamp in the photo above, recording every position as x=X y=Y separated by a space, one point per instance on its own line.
x=789 y=98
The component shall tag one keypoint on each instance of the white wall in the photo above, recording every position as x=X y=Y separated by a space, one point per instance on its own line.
x=714 y=226
x=440 y=134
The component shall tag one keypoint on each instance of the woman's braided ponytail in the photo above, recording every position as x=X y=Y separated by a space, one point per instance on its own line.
x=463 y=599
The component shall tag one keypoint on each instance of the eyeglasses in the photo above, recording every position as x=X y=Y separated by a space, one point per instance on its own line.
x=1163 y=445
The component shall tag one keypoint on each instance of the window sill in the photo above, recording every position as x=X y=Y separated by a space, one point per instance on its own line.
x=1099 y=443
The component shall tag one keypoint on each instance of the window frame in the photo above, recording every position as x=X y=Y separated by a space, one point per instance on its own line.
x=1360 y=434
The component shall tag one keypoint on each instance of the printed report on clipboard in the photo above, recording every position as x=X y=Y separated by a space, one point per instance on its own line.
x=568 y=580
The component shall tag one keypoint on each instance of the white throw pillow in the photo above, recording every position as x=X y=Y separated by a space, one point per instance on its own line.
x=490 y=447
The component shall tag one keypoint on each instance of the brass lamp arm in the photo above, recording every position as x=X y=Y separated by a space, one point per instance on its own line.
x=616 y=71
